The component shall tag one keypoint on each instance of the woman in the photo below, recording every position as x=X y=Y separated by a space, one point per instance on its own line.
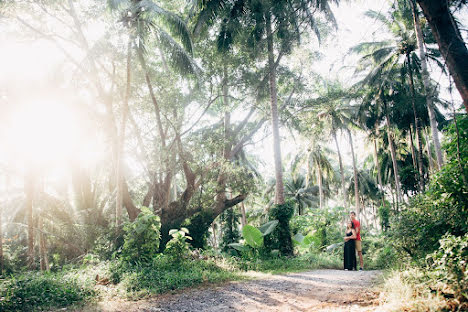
x=350 y=247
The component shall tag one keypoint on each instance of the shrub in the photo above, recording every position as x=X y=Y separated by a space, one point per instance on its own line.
x=141 y=240
x=38 y=291
x=280 y=238
x=178 y=248
x=450 y=264
x=443 y=208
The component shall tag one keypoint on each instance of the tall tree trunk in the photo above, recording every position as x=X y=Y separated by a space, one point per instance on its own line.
x=319 y=179
x=29 y=189
x=120 y=148
x=279 y=191
x=393 y=154
x=377 y=165
x=215 y=241
x=450 y=41
x=227 y=147
x=428 y=150
x=427 y=85
x=7 y=190
x=244 y=218
x=44 y=261
x=356 y=185
x=340 y=161
x=416 y=124
x=413 y=152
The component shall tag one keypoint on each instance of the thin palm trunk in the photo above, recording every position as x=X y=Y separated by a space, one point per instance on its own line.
x=356 y=185
x=428 y=150
x=393 y=154
x=320 y=182
x=377 y=165
x=215 y=242
x=413 y=153
x=427 y=85
x=244 y=218
x=343 y=186
x=29 y=188
x=44 y=261
x=416 y=124
x=221 y=181
x=7 y=186
x=120 y=149
x=279 y=190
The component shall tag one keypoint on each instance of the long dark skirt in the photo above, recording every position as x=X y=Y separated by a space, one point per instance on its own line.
x=350 y=255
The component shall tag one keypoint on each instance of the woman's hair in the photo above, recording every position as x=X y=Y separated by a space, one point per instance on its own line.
x=352 y=224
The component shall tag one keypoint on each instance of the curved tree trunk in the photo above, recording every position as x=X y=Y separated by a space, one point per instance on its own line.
x=450 y=41
x=279 y=190
x=427 y=85
x=343 y=187
x=356 y=185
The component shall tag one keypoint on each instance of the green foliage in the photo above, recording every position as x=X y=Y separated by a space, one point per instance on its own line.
x=198 y=227
x=39 y=291
x=384 y=215
x=163 y=274
x=304 y=242
x=280 y=238
x=230 y=223
x=178 y=248
x=287 y=264
x=141 y=240
x=253 y=237
x=443 y=208
x=450 y=264
x=379 y=253
x=322 y=225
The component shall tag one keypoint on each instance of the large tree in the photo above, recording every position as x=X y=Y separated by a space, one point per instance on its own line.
x=279 y=24
x=451 y=44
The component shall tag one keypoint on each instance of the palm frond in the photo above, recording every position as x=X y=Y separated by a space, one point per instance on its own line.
x=172 y=21
x=209 y=9
x=177 y=56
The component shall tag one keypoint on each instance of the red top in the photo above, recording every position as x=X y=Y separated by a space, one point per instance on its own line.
x=357 y=225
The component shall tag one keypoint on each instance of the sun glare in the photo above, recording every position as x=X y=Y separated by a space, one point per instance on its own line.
x=46 y=133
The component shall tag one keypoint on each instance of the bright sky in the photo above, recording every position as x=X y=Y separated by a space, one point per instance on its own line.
x=27 y=66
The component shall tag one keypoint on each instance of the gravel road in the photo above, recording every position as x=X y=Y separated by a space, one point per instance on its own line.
x=319 y=290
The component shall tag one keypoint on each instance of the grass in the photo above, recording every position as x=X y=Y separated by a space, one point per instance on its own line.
x=410 y=290
x=43 y=291
x=35 y=291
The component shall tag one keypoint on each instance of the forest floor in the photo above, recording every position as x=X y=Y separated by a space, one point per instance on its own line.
x=318 y=290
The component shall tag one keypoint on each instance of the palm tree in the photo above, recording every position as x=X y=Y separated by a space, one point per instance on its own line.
x=426 y=82
x=321 y=169
x=451 y=44
x=144 y=18
x=334 y=110
x=270 y=21
x=397 y=55
x=296 y=187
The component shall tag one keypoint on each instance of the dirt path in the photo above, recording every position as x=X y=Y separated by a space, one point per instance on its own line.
x=320 y=290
